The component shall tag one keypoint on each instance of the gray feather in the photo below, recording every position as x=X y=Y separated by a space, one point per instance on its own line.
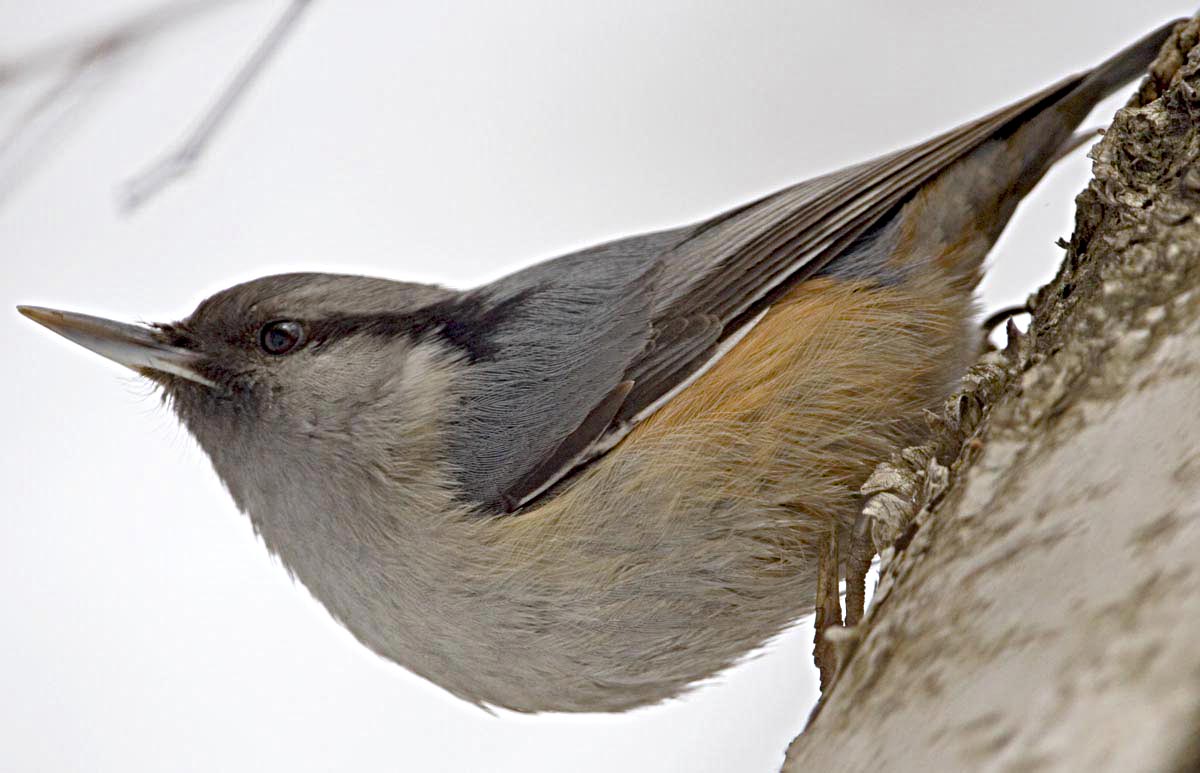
x=654 y=309
x=584 y=318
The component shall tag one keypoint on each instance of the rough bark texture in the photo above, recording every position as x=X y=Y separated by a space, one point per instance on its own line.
x=1040 y=606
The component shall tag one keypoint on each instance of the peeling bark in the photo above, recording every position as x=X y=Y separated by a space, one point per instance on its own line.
x=1039 y=604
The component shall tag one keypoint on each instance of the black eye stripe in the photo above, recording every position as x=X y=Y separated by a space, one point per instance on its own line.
x=468 y=323
x=281 y=336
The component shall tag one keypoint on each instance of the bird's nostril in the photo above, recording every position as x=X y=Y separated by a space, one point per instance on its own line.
x=174 y=336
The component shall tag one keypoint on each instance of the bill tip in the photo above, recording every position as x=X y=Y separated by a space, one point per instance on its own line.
x=36 y=313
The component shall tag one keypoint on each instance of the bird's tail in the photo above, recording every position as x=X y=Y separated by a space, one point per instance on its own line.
x=976 y=196
x=1047 y=136
x=1119 y=69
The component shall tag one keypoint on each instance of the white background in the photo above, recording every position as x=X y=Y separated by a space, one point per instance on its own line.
x=144 y=627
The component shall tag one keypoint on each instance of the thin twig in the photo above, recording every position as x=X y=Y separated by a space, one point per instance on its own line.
x=183 y=159
x=24 y=146
x=76 y=69
x=80 y=53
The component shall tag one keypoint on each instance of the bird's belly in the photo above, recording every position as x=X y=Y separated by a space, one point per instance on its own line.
x=693 y=541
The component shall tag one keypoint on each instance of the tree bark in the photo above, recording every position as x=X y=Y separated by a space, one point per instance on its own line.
x=1039 y=605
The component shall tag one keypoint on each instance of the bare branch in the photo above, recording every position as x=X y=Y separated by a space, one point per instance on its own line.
x=83 y=53
x=78 y=70
x=45 y=120
x=183 y=159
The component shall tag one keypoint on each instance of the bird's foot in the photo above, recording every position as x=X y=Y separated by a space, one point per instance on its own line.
x=828 y=652
x=828 y=610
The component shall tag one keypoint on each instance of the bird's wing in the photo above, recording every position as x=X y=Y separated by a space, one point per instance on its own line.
x=593 y=342
x=549 y=348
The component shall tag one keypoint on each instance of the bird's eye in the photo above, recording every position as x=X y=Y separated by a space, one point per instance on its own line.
x=281 y=337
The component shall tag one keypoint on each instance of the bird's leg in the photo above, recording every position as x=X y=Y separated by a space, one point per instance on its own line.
x=828 y=609
x=826 y=653
x=858 y=563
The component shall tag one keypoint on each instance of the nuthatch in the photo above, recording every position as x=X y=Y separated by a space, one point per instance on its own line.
x=596 y=481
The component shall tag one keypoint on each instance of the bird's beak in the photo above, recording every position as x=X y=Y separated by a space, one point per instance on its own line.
x=134 y=346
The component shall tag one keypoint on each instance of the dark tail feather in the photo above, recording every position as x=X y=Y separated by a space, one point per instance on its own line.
x=1041 y=140
x=1121 y=68
x=1074 y=142
x=1028 y=146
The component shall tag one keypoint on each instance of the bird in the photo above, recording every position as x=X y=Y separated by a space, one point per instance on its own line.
x=598 y=481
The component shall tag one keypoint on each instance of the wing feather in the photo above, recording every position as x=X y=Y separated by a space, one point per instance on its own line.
x=663 y=307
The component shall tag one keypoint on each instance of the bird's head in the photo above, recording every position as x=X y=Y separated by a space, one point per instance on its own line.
x=290 y=377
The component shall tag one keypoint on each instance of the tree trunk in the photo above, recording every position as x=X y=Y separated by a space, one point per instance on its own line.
x=1040 y=608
